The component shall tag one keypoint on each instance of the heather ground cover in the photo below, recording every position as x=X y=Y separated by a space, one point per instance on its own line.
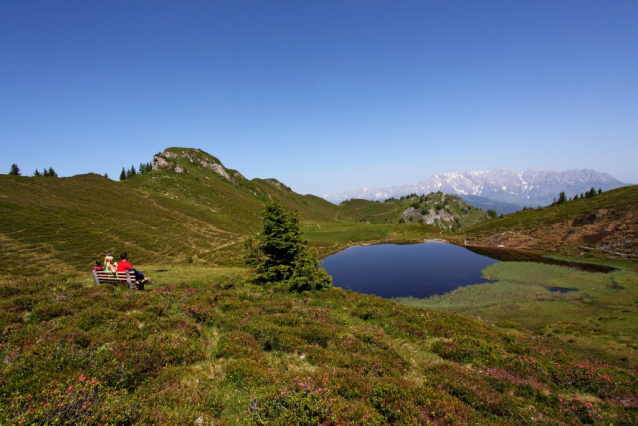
x=598 y=319
x=204 y=345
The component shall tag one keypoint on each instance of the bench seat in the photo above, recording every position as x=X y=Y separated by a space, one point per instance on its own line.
x=124 y=278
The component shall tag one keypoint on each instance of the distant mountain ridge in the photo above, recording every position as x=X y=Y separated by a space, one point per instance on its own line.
x=529 y=188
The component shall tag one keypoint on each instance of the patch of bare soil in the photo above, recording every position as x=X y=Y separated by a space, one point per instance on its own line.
x=605 y=231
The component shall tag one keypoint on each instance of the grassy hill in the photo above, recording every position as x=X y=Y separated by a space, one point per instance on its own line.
x=190 y=208
x=51 y=225
x=606 y=224
x=448 y=212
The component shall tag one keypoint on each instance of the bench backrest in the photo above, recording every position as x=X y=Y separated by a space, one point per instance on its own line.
x=119 y=277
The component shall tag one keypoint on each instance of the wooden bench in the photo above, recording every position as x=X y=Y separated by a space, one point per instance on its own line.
x=125 y=278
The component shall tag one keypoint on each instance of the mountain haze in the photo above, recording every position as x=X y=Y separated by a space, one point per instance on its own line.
x=529 y=188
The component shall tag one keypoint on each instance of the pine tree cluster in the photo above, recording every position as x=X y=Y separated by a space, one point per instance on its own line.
x=142 y=169
x=15 y=171
x=562 y=197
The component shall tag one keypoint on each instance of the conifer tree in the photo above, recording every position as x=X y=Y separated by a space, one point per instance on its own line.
x=15 y=170
x=132 y=171
x=600 y=190
x=562 y=198
x=46 y=172
x=37 y=173
x=123 y=174
x=283 y=258
x=52 y=172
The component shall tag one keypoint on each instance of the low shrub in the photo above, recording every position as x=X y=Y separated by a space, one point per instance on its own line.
x=304 y=402
x=81 y=401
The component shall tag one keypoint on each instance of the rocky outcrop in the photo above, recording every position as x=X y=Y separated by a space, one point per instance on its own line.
x=166 y=160
x=432 y=216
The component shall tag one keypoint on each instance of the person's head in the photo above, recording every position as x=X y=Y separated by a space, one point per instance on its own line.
x=124 y=256
x=98 y=263
x=108 y=259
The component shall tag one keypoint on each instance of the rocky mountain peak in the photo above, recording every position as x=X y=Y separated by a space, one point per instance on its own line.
x=178 y=159
x=532 y=187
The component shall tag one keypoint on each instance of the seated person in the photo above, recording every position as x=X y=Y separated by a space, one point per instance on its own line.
x=124 y=265
x=109 y=266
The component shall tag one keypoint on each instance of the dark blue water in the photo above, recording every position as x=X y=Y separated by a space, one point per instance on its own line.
x=561 y=289
x=418 y=270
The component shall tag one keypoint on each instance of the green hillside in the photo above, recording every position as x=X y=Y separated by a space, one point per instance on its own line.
x=448 y=212
x=190 y=208
x=606 y=224
x=58 y=224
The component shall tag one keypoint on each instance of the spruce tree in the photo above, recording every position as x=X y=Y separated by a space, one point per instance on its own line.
x=123 y=174
x=52 y=172
x=46 y=172
x=37 y=173
x=15 y=170
x=562 y=198
x=280 y=242
x=600 y=190
x=283 y=260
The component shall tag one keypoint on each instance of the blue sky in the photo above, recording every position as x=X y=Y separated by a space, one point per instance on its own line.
x=325 y=96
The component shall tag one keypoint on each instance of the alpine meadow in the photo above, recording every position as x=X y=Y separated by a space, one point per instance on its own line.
x=278 y=213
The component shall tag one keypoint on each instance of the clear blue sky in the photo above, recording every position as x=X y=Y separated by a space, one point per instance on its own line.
x=324 y=95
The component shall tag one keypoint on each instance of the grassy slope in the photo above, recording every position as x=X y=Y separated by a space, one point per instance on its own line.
x=52 y=224
x=553 y=227
x=205 y=347
x=191 y=215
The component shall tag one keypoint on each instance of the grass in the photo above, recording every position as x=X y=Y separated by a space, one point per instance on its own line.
x=621 y=200
x=184 y=212
x=204 y=345
x=600 y=318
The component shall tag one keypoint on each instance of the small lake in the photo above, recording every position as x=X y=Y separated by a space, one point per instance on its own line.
x=418 y=270
x=423 y=270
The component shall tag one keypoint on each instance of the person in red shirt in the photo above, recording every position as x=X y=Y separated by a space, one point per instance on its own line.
x=124 y=265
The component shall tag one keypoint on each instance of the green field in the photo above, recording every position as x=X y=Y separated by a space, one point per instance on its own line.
x=205 y=346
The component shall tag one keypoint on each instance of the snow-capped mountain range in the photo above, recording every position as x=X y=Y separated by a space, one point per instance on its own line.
x=530 y=188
